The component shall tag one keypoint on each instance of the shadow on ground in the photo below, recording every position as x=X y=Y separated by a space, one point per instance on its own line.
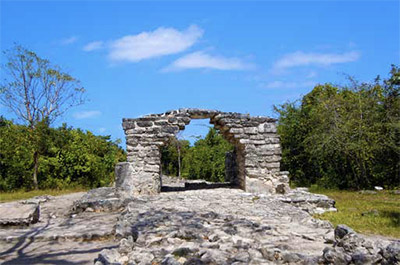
x=394 y=217
x=71 y=253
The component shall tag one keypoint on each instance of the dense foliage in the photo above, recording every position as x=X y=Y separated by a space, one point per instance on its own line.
x=37 y=92
x=69 y=157
x=204 y=160
x=344 y=137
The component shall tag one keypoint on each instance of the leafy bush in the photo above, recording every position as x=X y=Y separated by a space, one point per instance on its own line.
x=69 y=158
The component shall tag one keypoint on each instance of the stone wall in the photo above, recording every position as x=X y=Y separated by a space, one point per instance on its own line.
x=257 y=147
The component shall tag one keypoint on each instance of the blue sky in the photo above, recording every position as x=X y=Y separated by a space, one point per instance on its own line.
x=136 y=58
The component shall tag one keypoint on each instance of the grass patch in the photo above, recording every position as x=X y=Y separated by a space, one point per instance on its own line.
x=21 y=195
x=377 y=214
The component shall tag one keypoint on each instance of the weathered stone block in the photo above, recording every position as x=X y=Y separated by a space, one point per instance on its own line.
x=144 y=123
x=124 y=177
x=251 y=130
x=15 y=213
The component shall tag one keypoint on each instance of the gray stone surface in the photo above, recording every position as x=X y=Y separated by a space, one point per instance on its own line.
x=224 y=226
x=19 y=214
x=105 y=199
x=57 y=223
x=58 y=237
x=124 y=179
x=309 y=202
x=218 y=226
x=229 y=226
x=351 y=248
x=257 y=149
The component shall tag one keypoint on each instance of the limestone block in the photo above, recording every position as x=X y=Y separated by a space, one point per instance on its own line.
x=270 y=127
x=144 y=123
x=161 y=122
x=245 y=141
x=257 y=137
x=251 y=130
x=257 y=186
x=236 y=130
x=152 y=168
x=124 y=177
x=273 y=165
x=15 y=213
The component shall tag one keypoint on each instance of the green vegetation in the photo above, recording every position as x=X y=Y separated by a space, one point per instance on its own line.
x=37 y=92
x=365 y=213
x=204 y=160
x=69 y=157
x=344 y=137
x=22 y=195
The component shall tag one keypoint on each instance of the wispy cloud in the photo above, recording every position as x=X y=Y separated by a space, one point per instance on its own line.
x=160 y=42
x=94 y=45
x=288 y=85
x=69 y=40
x=86 y=114
x=312 y=74
x=320 y=59
x=204 y=60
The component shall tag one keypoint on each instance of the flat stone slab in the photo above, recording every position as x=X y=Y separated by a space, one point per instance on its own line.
x=16 y=213
x=59 y=237
x=58 y=223
x=309 y=202
x=105 y=199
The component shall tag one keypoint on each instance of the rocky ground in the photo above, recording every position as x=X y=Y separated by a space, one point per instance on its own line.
x=228 y=226
x=59 y=237
x=213 y=226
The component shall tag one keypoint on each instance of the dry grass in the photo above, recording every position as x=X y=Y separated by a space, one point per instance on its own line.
x=377 y=214
x=21 y=195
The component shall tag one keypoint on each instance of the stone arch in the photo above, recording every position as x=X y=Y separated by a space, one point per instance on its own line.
x=258 y=152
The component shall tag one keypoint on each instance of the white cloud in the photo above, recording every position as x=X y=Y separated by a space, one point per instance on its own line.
x=86 y=114
x=288 y=85
x=102 y=129
x=94 y=45
x=321 y=59
x=162 y=41
x=204 y=60
x=69 y=40
x=311 y=74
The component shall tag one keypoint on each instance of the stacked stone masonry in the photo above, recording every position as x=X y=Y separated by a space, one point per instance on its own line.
x=257 y=149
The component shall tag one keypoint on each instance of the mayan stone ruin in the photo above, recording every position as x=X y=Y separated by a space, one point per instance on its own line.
x=256 y=219
x=254 y=165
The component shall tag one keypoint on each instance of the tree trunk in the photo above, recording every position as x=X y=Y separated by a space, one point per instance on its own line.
x=179 y=160
x=35 y=168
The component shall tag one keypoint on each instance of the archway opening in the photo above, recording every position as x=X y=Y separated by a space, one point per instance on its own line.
x=198 y=157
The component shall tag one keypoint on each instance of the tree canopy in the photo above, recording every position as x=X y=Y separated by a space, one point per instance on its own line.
x=344 y=137
x=70 y=157
x=37 y=92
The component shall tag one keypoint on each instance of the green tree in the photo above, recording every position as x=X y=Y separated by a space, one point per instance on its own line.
x=172 y=155
x=204 y=160
x=70 y=158
x=38 y=93
x=344 y=137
